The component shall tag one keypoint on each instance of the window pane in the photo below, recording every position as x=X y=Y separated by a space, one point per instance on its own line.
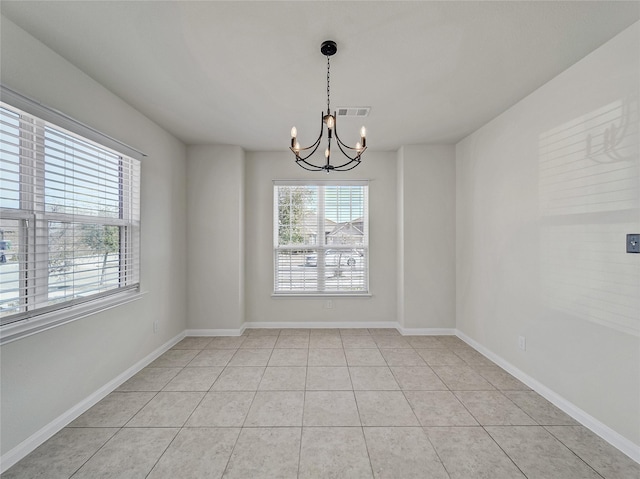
x=344 y=203
x=83 y=260
x=9 y=159
x=296 y=271
x=80 y=178
x=10 y=233
x=345 y=270
x=297 y=215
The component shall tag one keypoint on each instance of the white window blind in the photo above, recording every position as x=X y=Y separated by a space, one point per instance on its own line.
x=321 y=238
x=69 y=218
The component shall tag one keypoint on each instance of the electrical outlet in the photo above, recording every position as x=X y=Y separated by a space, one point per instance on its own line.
x=522 y=343
x=633 y=243
x=328 y=304
x=155 y=326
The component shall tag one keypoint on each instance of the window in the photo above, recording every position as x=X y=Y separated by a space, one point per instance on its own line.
x=321 y=238
x=69 y=218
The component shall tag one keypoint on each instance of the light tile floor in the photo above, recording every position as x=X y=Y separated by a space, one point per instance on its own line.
x=324 y=404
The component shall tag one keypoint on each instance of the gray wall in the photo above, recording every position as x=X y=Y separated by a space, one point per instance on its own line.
x=262 y=169
x=541 y=224
x=231 y=239
x=46 y=374
x=215 y=211
x=426 y=232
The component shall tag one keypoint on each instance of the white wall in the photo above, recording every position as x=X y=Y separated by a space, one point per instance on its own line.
x=215 y=175
x=46 y=374
x=542 y=210
x=426 y=232
x=264 y=167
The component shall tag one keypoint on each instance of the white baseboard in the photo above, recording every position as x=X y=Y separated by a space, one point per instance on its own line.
x=427 y=331
x=321 y=325
x=45 y=433
x=214 y=332
x=605 y=432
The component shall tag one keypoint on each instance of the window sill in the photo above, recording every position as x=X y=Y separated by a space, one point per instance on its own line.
x=321 y=295
x=27 y=327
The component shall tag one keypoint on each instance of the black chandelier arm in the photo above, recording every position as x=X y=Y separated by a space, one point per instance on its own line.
x=342 y=145
x=301 y=163
x=351 y=160
x=343 y=167
x=356 y=163
x=313 y=147
x=311 y=167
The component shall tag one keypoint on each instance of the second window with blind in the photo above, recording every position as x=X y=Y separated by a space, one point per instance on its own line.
x=69 y=219
x=321 y=238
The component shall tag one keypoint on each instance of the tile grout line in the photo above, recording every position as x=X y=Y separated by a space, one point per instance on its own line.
x=187 y=419
x=422 y=426
x=92 y=455
x=235 y=444
x=444 y=466
x=304 y=400
x=503 y=451
x=364 y=438
x=164 y=451
x=572 y=451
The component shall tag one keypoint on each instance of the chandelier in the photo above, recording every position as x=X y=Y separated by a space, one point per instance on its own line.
x=352 y=154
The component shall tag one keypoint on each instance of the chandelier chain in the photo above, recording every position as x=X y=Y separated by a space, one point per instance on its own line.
x=328 y=96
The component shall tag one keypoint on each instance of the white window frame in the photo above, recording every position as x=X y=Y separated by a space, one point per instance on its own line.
x=321 y=247
x=26 y=323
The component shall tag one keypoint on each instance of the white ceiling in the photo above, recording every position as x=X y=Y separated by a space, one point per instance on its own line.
x=243 y=73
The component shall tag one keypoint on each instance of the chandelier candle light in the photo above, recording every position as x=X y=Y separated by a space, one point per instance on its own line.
x=329 y=48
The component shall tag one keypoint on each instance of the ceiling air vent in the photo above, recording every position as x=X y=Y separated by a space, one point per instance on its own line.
x=354 y=111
